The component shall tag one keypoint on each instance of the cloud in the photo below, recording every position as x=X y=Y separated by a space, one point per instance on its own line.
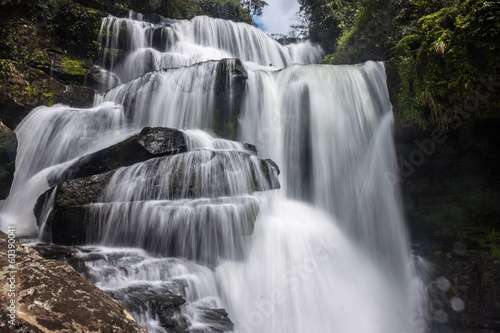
x=278 y=16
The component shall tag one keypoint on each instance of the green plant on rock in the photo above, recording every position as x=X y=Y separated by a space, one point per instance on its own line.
x=5 y=70
x=440 y=65
x=73 y=67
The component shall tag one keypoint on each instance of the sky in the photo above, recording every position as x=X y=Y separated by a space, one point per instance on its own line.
x=278 y=16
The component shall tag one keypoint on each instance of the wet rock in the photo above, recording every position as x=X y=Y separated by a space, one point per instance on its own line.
x=160 y=301
x=64 y=68
x=69 y=221
x=451 y=192
x=100 y=79
x=149 y=143
x=217 y=319
x=230 y=84
x=25 y=88
x=464 y=293
x=165 y=178
x=52 y=297
x=8 y=151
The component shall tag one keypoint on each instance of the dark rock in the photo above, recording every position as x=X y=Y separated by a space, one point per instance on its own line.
x=25 y=88
x=70 y=220
x=464 y=293
x=149 y=143
x=451 y=190
x=8 y=151
x=455 y=187
x=160 y=301
x=251 y=148
x=230 y=84
x=65 y=69
x=100 y=79
x=217 y=319
x=53 y=297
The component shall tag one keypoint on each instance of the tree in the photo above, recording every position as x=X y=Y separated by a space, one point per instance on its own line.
x=254 y=6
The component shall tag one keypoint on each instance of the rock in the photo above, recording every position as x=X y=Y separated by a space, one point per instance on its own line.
x=24 y=88
x=149 y=143
x=159 y=300
x=451 y=189
x=464 y=293
x=8 y=151
x=64 y=68
x=217 y=319
x=52 y=297
x=100 y=79
x=69 y=221
x=165 y=178
x=230 y=84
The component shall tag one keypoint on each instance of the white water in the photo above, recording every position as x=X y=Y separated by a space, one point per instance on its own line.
x=174 y=43
x=49 y=137
x=328 y=253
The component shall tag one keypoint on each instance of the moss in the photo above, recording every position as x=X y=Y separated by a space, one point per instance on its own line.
x=49 y=97
x=73 y=67
x=5 y=70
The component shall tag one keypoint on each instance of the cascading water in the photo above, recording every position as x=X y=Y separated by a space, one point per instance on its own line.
x=328 y=253
x=132 y=48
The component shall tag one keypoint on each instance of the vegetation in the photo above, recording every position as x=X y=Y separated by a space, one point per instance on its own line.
x=438 y=51
x=31 y=28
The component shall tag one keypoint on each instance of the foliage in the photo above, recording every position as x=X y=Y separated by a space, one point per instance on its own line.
x=73 y=67
x=437 y=50
x=236 y=10
x=441 y=64
x=328 y=20
x=5 y=70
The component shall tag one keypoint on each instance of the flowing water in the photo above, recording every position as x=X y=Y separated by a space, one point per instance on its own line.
x=327 y=253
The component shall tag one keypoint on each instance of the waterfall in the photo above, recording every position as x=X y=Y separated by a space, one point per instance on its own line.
x=132 y=48
x=49 y=138
x=328 y=252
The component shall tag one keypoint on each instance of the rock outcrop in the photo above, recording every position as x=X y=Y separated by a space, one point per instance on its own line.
x=52 y=297
x=451 y=191
x=157 y=162
x=463 y=294
x=149 y=143
x=8 y=151
x=24 y=88
x=166 y=178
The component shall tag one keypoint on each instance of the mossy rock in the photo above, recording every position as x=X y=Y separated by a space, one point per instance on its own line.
x=27 y=88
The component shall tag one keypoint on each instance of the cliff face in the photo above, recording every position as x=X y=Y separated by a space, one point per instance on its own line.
x=52 y=296
x=451 y=198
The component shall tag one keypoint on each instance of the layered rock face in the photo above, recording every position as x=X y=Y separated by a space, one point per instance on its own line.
x=157 y=162
x=52 y=297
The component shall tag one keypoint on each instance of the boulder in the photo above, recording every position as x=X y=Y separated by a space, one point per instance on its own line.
x=101 y=79
x=149 y=143
x=24 y=88
x=52 y=297
x=181 y=176
x=8 y=151
x=69 y=221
